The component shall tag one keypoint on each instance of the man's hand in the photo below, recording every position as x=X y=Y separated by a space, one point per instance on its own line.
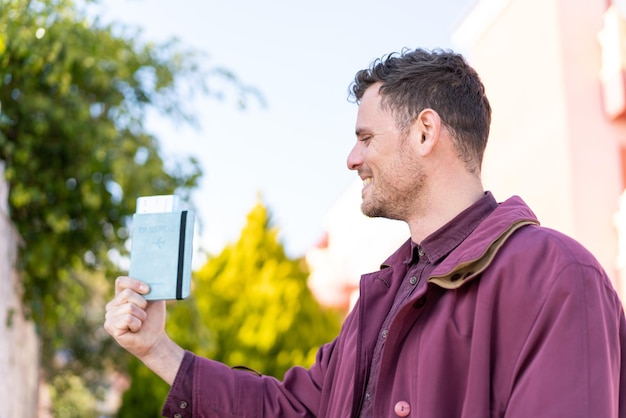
x=139 y=327
x=133 y=322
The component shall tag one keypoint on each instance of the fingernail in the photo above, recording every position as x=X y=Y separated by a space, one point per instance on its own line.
x=144 y=287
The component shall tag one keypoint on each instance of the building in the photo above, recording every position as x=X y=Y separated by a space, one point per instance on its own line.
x=554 y=71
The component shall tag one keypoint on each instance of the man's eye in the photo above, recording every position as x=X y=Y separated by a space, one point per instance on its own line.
x=365 y=138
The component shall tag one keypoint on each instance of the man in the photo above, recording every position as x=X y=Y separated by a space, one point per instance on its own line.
x=481 y=313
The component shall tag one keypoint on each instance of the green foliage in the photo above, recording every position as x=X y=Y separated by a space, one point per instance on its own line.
x=146 y=395
x=76 y=398
x=74 y=96
x=257 y=304
x=250 y=306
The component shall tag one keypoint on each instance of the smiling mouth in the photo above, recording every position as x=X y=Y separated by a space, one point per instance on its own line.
x=367 y=181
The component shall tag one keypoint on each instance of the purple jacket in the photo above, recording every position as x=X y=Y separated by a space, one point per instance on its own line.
x=519 y=321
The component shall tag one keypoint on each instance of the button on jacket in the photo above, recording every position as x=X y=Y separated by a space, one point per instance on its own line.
x=518 y=321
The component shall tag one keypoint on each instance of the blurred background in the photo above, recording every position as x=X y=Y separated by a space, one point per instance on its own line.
x=241 y=108
x=290 y=142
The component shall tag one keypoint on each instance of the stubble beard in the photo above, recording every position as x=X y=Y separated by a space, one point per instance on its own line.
x=377 y=207
x=395 y=202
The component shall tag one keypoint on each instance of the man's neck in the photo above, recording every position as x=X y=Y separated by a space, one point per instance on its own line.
x=440 y=208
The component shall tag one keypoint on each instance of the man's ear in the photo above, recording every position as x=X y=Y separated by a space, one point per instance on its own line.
x=425 y=131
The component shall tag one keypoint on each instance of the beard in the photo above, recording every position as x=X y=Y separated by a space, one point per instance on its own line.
x=396 y=198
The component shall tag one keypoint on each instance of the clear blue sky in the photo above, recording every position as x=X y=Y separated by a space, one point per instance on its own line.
x=302 y=56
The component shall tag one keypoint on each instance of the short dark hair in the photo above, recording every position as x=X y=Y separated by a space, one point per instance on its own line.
x=414 y=80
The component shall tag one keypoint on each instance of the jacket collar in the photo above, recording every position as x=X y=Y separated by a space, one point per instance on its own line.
x=476 y=252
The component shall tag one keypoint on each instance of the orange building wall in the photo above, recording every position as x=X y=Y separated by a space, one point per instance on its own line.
x=551 y=141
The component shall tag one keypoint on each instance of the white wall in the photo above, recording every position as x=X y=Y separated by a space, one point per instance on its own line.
x=19 y=365
x=550 y=142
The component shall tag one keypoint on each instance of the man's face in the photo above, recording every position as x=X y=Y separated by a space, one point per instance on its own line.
x=386 y=162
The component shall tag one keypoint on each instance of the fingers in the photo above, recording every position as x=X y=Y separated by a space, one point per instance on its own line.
x=126 y=311
x=127 y=296
x=131 y=308
x=134 y=323
x=125 y=282
x=118 y=322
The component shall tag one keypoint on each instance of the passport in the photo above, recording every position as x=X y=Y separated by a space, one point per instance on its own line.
x=161 y=247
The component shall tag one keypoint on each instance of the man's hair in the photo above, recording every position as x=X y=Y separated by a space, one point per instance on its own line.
x=414 y=80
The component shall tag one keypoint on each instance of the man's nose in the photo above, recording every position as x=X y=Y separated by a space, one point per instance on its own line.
x=355 y=157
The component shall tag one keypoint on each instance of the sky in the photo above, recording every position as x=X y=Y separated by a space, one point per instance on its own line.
x=302 y=57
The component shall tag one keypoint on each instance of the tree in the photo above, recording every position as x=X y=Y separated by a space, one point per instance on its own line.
x=74 y=96
x=250 y=306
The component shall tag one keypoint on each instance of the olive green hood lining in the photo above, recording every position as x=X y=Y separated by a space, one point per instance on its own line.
x=467 y=270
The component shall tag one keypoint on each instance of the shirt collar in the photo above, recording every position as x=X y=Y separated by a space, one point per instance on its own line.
x=441 y=242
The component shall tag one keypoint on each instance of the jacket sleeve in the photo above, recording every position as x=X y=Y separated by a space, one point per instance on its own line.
x=206 y=388
x=573 y=362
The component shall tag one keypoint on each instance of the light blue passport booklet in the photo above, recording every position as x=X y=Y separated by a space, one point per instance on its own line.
x=161 y=252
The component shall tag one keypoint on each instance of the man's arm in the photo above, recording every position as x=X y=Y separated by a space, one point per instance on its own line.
x=139 y=327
